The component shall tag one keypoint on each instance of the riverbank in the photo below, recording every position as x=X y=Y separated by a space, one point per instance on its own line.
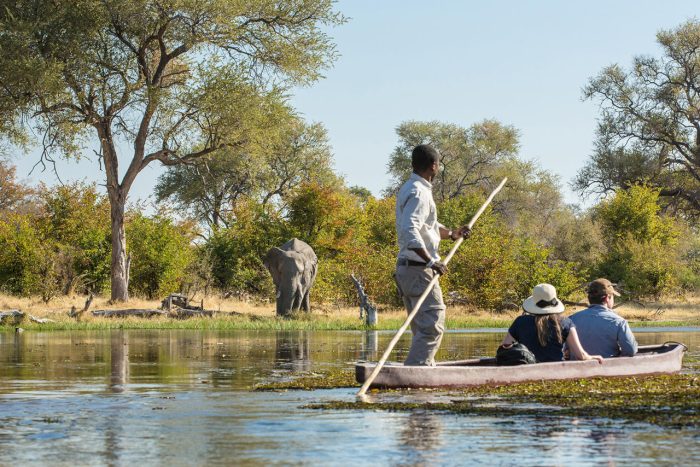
x=237 y=314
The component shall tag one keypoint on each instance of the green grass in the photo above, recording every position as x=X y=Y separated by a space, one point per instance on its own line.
x=254 y=322
x=665 y=324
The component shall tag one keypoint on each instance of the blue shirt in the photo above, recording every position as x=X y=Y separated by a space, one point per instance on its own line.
x=524 y=331
x=604 y=332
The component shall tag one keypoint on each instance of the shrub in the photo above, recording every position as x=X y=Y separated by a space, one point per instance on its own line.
x=161 y=252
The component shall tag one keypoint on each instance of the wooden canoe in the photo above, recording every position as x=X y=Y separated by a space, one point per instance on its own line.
x=650 y=360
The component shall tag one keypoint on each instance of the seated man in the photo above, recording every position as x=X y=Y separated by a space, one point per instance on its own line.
x=601 y=330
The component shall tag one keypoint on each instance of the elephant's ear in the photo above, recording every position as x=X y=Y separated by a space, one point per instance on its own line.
x=273 y=259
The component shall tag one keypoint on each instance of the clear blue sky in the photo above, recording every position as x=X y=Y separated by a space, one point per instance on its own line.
x=521 y=62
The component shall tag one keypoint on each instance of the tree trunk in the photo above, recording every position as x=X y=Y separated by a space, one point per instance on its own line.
x=120 y=274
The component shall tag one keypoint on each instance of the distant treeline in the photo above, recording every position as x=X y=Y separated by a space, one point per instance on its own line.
x=216 y=222
x=204 y=88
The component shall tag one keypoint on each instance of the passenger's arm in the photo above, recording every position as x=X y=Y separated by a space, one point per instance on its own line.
x=626 y=341
x=507 y=341
x=576 y=350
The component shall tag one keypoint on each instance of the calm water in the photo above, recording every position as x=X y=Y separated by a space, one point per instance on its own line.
x=184 y=398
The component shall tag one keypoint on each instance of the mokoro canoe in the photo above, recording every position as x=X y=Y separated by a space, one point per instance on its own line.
x=650 y=360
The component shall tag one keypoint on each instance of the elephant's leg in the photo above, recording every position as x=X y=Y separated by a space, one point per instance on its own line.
x=297 y=300
x=306 y=302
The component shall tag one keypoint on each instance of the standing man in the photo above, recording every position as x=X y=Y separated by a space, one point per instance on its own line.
x=419 y=234
x=601 y=330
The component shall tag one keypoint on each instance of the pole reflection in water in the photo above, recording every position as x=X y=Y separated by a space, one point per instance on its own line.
x=292 y=350
x=119 y=350
x=421 y=438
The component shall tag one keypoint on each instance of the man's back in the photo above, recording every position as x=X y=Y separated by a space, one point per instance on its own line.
x=603 y=332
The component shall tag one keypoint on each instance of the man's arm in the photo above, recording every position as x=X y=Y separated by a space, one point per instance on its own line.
x=415 y=213
x=454 y=234
x=626 y=341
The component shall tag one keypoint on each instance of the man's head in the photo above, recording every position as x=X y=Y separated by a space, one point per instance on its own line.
x=425 y=160
x=601 y=290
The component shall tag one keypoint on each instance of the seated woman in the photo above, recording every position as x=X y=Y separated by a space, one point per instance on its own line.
x=543 y=330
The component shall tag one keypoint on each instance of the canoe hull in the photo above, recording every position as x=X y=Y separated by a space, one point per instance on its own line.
x=651 y=360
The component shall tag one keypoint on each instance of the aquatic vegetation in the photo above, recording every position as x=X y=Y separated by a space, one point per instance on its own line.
x=668 y=400
x=333 y=378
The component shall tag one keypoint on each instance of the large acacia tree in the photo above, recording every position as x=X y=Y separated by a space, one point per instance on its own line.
x=149 y=81
x=649 y=130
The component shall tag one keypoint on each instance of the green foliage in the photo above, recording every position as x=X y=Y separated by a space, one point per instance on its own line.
x=236 y=252
x=635 y=213
x=496 y=268
x=329 y=219
x=161 y=253
x=14 y=196
x=25 y=257
x=175 y=80
x=77 y=218
x=468 y=155
x=650 y=124
x=643 y=249
x=59 y=245
x=286 y=154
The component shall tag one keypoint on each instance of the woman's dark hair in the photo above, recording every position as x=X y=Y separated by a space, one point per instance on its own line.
x=423 y=157
x=546 y=325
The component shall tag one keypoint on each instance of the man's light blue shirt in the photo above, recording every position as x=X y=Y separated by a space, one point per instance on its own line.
x=604 y=332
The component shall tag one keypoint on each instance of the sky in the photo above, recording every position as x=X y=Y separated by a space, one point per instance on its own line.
x=523 y=63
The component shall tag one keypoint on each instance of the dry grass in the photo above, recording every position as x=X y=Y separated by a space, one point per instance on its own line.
x=237 y=314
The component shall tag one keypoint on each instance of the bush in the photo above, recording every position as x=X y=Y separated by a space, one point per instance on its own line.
x=161 y=253
x=27 y=259
x=77 y=218
x=643 y=248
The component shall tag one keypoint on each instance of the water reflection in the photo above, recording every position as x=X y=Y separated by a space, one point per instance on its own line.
x=421 y=438
x=119 y=351
x=182 y=396
x=292 y=350
x=370 y=346
x=604 y=442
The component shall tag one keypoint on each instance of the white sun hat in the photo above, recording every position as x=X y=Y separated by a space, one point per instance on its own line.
x=543 y=301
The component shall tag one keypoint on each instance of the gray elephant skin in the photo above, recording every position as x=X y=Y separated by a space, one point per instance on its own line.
x=293 y=270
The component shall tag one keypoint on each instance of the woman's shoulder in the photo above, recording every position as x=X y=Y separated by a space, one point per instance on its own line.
x=522 y=319
x=566 y=322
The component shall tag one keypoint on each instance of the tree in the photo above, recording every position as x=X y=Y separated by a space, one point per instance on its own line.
x=13 y=195
x=468 y=155
x=152 y=80
x=642 y=250
x=474 y=160
x=293 y=153
x=649 y=130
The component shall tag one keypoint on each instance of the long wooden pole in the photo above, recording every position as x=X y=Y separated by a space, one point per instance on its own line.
x=422 y=298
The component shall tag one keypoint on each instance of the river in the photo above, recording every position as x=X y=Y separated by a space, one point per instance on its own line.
x=184 y=397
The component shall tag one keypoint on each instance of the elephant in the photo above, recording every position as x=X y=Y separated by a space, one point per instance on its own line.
x=293 y=270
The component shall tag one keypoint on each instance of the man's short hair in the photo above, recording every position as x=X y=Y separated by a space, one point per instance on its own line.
x=423 y=157
x=599 y=289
